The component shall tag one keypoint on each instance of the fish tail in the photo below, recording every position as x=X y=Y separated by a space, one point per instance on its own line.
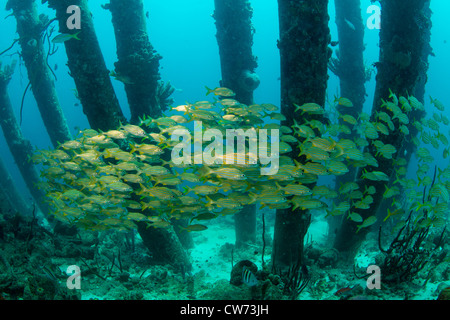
x=253 y=197
x=301 y=150
x=391 y=94
x=419 y=206
x=397 y=179
x=364 y=172
x=148 y=225
x=160 y=143
x=133 y=148
x=166 y=163
x=210 y=202
x=144 y=205
x=340 y=153
x=336 y=99
x=186 y=189
x=165 y=146
x=205 y=171
x=366 y=189
x=280 y=188
x=421 y=180
x=208 y=90
x=75 y=36
x=183 y=228
x=108 y=154
x=142 y=189
x=386 y=190
x=298 y=165
x=387 y=217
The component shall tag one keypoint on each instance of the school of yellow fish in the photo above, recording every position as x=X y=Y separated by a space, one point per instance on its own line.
x=113 y=179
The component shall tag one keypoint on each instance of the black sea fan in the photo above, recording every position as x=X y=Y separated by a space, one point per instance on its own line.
x=412 y=248
x=296 y=279
x=163 y=93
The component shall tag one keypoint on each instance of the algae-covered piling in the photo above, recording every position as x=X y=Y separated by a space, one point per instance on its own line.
x=31 y=27
x=304 y=54
x=88 y=69
x=138 y=61
x=234 y=35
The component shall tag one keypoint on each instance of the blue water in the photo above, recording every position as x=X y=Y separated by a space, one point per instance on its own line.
x=184 y=34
